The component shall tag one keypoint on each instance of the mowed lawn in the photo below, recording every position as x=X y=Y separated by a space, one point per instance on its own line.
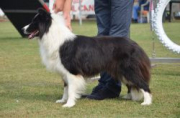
x=27 y=90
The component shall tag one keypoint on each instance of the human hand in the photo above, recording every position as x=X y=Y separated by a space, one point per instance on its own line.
x=67 y=18
x=58 y=5
x=65 y=7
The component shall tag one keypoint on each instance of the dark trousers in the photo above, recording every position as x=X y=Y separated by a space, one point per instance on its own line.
x=113 y=19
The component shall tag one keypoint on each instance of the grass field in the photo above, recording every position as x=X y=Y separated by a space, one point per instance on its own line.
x=28 y=90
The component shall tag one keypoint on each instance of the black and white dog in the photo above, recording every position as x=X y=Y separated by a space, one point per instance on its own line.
x=77 y=57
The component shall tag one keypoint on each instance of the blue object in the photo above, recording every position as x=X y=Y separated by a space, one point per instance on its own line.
x=136 y=9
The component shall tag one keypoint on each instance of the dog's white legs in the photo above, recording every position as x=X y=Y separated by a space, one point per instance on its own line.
x=76 y=86
x=136 y=95
x=71 y=97
x=64 y=97
x=147 y=98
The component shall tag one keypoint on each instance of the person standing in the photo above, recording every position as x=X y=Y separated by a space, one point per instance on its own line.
x=113 y=19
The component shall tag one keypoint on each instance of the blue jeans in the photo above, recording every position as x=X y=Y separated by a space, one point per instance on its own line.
x=113 y=19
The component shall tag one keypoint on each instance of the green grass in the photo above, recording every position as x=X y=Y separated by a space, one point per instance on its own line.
x=28 y=90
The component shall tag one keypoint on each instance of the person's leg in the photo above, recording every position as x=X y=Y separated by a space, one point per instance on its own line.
x=121 y=12
x=102 y=12
x=120 y=20
x=107 y=87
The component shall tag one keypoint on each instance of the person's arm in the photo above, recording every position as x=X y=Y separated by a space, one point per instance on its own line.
x=66 y=13
x=65 y=7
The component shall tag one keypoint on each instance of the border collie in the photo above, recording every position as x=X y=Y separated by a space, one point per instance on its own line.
x=77 y=57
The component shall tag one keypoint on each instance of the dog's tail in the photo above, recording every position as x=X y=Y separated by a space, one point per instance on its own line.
x=145 y=67
x=137 y=68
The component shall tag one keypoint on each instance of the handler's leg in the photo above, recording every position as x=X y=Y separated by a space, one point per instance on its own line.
x=103 y=14
x=113 y=19
x=107 y=87
x=121 y=14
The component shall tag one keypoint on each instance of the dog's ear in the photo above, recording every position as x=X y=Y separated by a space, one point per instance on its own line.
x=44 y=15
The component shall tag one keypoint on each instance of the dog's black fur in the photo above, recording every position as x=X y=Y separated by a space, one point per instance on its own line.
x=120 y=57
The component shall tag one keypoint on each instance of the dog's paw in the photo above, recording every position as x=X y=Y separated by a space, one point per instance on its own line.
x=68 y=105
x=60 y=101
x=146 y=103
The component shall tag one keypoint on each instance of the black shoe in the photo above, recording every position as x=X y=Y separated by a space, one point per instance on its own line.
x=103 y=93
x=95 y=90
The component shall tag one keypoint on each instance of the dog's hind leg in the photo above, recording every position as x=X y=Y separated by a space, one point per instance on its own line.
x=132 y=75
x=76 y=86
x=147 y=98
x=144 y=91
x=133 y=94
x=136 y=94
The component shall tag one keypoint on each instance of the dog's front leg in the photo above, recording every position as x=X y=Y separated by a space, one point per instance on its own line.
x=65 y=94
x=76 y=86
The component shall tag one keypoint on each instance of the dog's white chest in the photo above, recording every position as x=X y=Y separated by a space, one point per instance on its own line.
x=51 y=59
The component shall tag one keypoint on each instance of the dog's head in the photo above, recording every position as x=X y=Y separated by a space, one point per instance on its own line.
x=40 y=24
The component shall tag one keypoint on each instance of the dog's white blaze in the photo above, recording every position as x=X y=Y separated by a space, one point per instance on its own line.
x=49 y=49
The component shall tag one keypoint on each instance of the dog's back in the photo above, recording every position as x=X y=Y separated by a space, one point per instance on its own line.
x=90 y=55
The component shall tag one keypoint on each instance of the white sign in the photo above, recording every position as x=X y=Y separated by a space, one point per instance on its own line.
x=86 y=7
